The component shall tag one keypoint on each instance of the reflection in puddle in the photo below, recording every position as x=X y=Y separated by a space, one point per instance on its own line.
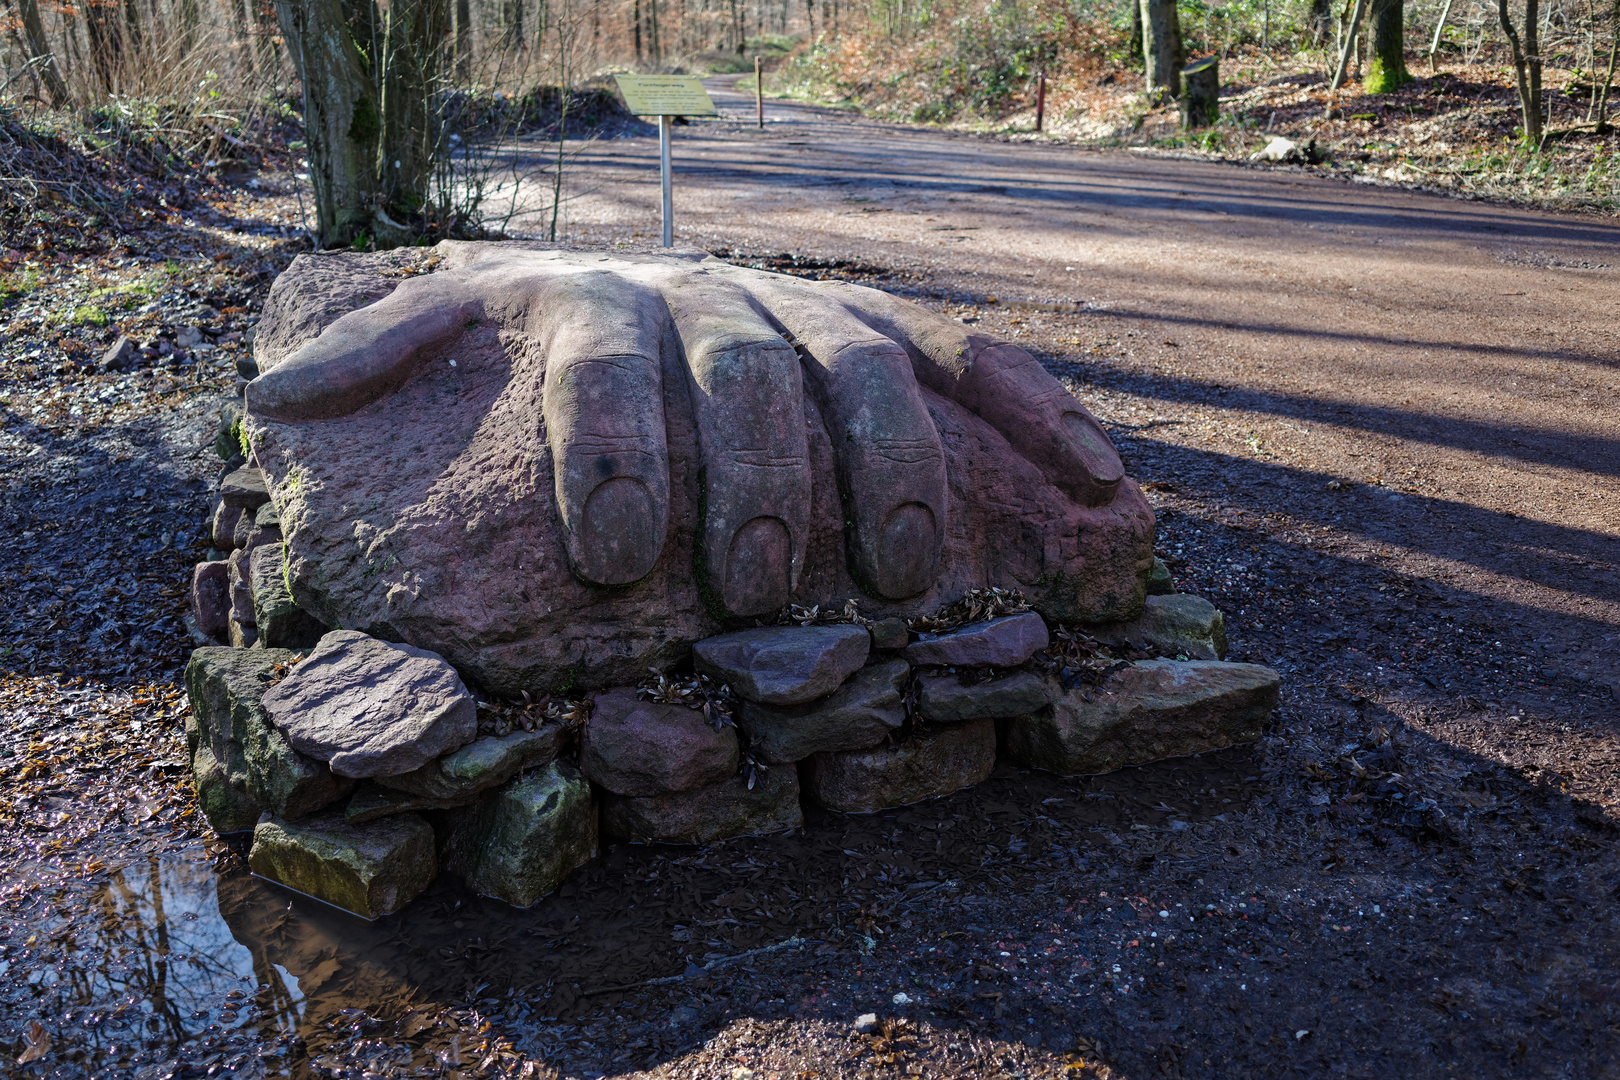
x=173 y=969
x=178 y=965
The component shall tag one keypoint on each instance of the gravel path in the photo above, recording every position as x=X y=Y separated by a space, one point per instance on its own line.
x=1379 y=429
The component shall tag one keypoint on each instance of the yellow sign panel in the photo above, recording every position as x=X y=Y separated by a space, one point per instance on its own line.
x=665 y=95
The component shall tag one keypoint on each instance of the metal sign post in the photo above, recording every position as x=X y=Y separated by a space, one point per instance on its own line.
x=665 y=96
x=666 y=182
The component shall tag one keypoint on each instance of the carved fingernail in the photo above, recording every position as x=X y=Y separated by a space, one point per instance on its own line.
x=1095 y=449
x=759 y=568
x=906 y=550
x=616 y=541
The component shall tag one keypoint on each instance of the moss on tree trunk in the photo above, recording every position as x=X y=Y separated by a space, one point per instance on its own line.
x=1386 y=71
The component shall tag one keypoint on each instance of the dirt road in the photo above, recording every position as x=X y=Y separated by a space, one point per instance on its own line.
x=1453 y=365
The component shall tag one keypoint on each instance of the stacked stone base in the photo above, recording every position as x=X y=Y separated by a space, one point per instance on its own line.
x=851 y=718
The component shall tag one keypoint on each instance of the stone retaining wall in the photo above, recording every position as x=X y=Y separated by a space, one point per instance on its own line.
x=365 y=767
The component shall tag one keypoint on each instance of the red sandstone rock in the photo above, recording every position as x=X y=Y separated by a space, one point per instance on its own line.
x=641 y=748
x=519 y=460
x=1004 y=642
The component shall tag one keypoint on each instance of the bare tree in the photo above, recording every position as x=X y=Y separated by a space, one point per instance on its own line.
x=1526 y=64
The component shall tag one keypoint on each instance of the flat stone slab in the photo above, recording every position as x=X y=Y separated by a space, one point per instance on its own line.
x=858 y=714
x=1152 y=710
x=1003 y=642
x=636 y=747
x=1178 y=624
x=944 y=700
x=706 y=814
x=244 y=489
x=372 y=708
x=226 y=689
x=373 y=802
x=784 y=665
x=933 y=762
x=482 y=764
x=521 y=842
x=371 y=870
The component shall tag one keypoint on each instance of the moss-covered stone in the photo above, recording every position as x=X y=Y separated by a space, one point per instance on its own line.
x=227 y=808
x=370 y=802
x=1179 y=625
x=1159 y=582
x=519 y=843
x=225 y=687
x=371 y=870
x=1148 y=711
x=481 y=765
x=281 y=623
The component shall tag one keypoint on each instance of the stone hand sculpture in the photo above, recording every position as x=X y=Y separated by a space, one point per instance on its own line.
x=709 y=435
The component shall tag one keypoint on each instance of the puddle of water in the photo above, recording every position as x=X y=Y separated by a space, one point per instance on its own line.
x=175 y=969
x=183 y=964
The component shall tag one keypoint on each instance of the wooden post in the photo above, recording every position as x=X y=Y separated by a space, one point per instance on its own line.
x=1201 y=93
x=1040 y=101
x=759 y=94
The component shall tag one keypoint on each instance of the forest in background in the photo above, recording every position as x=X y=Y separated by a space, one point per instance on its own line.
x=186 y=91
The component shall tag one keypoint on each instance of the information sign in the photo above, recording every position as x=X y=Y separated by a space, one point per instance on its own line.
x=665 y=95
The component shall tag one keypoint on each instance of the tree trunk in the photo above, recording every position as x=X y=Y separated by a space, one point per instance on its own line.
x=342 y=122
x=1387 y=72
x=104 y=40
x=39 y=49
x=1136 y=29
x=1161 y=48
x=464 y=40
x=1526 y=65
x=1320 y=21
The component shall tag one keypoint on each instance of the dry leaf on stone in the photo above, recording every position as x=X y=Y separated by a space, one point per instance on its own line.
x=39 y=1043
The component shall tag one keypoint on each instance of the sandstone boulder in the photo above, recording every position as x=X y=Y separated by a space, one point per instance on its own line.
x=244 y=488
x=933 y=762
x=241 y=587
x=1177 y=624
x=484 y=763
x=860 y=713
x=370 y=870
x=636 y=747
x=211 y=598
x=281 y=623
x=1003 y=642
x=944 y=699
x=784 y=665
x=222 y=527
x=372 y=708
x=706 y=814
x=226 y=687
x=536 y=516
x=889 y=634
x=522 y=841
x=1152 y=710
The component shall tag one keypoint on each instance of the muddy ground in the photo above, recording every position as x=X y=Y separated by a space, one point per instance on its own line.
x=1379 y=429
